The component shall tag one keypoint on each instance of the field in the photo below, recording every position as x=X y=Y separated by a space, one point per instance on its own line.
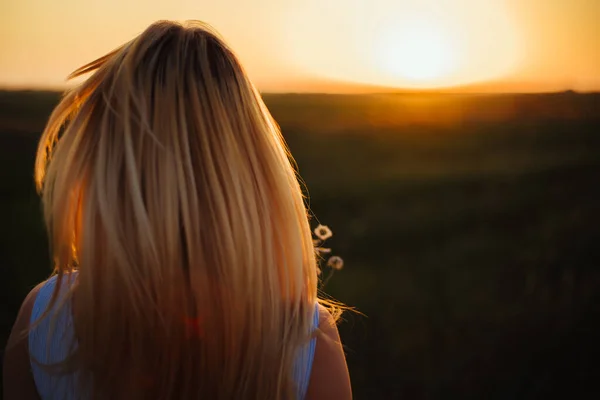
x=469 y=226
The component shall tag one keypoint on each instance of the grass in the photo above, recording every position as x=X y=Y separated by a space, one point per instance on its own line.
x=469 y=226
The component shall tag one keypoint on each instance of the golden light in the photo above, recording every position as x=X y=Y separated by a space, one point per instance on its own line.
x=416 y=51
x=291 y=45
x=413 y=44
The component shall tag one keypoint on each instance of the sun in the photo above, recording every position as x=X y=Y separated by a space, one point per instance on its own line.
x=408 y=44
x=415 y=52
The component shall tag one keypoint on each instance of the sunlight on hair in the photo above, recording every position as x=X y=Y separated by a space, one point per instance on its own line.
x=156 y=175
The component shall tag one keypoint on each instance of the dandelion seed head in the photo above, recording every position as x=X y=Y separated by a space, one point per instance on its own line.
x=323 y=232
x=335 y=262
x=323 y=250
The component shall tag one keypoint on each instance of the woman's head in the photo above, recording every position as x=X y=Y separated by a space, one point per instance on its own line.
x=167 y=183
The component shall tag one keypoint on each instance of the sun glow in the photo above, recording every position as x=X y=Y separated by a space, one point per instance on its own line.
x=328 y=45
x=418 y=44
x=416 y=51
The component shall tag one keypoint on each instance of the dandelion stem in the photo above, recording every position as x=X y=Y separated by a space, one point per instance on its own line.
x=329 y=275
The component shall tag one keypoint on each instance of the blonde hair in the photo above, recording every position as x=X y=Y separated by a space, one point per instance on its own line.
x=167 y=184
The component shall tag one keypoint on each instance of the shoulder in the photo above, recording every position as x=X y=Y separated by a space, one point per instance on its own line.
x=22 y=322
x=17 y=377
x=327 y=322
x=329 y=377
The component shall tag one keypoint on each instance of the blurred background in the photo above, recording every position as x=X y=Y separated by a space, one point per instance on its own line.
x=453 y=147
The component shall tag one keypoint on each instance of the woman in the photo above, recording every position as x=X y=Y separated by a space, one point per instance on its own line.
x=184 y=262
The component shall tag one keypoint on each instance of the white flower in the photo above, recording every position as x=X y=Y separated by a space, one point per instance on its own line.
x=323 y=250
x=335 y=262
x=323 y=232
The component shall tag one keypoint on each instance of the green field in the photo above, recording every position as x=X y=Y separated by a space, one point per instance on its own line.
x=469 y=226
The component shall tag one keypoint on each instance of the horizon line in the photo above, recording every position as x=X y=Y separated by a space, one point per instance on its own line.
x=448 y=91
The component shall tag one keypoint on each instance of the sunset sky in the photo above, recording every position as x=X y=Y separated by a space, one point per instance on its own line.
x=328 y=45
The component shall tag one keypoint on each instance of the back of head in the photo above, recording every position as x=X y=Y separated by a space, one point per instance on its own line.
x=167 y=185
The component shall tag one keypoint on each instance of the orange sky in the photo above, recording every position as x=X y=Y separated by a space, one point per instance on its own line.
x=329 y=45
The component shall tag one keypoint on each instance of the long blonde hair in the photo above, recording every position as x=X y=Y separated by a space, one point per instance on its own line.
x=166 y=183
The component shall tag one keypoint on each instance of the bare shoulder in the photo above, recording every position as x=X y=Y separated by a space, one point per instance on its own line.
x=329 y=378
x=17 y=378
x=22 y=322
